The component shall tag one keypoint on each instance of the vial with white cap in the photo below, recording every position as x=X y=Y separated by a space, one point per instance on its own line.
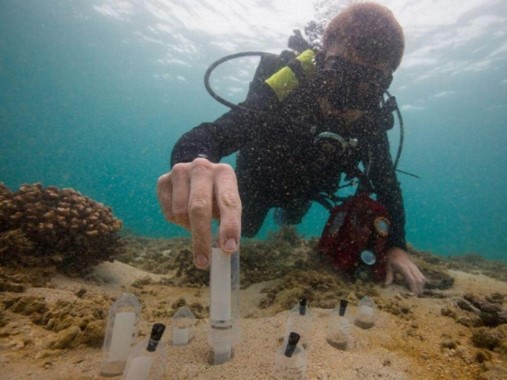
x=182 y=326
x=366 y=313
x=224 y=330
x=121 y=334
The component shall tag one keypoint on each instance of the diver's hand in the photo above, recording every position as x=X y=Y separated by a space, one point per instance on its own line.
x=399 y=261
x=191 y=194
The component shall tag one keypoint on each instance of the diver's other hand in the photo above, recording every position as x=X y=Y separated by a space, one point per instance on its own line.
x=192 y=193
x=399 y=261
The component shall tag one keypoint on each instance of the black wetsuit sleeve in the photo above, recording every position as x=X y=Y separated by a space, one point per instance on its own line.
x=386 y=186
x=231 y=131
x=213 y=140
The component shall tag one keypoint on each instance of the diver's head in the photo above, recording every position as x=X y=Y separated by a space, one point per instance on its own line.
x=368 y=34
x=362 y=47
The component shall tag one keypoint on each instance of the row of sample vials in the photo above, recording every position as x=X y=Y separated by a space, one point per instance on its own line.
x=291 y=358
x=147 y=359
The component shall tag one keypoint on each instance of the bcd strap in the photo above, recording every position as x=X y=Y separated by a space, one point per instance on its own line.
x=288 y=78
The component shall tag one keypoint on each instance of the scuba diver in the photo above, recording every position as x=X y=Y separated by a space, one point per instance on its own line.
x=309 y=119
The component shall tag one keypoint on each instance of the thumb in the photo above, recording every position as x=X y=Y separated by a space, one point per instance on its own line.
x=389 y=274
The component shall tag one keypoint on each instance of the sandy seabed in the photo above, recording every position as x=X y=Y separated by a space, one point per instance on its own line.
x=51 y=324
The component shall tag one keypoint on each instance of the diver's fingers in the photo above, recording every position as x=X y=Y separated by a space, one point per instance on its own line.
x=180 y=194
x=414 y=277
x=200 y=205
x=229 y=207
x=172 y=194
x=409 y=277
x=398 y=260
x=389 y=274
x=420 y=281
x=164 y=195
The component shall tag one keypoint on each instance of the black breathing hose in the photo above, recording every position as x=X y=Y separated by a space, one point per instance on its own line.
x=402 y=135
x=218 y=62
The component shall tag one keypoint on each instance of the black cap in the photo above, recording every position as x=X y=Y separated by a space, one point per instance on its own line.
x=156 y=334
x=291 y=345
x=343 y=307
x=302 y=305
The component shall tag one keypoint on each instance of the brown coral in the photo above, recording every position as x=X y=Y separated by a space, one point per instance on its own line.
x=74 y=322
x=52 y=226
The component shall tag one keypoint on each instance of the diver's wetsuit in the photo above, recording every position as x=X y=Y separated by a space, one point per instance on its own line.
x=280 y=161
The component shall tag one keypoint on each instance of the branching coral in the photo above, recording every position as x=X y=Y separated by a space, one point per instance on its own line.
x=51 y=226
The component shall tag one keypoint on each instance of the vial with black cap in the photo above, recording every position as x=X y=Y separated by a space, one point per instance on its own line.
x=291 y=359
x=300 y=321
x=338 y=329
x=148 y=359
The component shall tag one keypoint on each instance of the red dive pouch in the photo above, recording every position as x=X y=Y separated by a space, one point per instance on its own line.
x=355 y=238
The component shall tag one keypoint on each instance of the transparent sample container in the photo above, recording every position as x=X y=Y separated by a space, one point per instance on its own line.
x=300 y=321
x=182 y=326
x=291 y=359
x=121 y=334
x=365 y=317
x=148 y=360
x=338 y=329
x=224 y=331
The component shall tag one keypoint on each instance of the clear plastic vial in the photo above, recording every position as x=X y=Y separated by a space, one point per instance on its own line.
x=121 y=334
x=300 y=321
x=224 y=330
x=291 y=358
x=148 y=360
x=366 y=313
x=338 y=329
x=182 y=326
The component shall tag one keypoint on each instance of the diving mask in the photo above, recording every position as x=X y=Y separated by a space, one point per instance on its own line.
x=348 y=85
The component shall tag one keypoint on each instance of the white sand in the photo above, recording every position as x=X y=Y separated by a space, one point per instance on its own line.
x=397 y=347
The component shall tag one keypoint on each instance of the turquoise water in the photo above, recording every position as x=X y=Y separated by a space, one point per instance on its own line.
x=93 y=95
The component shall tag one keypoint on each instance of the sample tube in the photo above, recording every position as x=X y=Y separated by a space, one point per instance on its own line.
x=121 y=333
x=148 y=359
x=303 y=303
x=291 y=358
x=366 y=313
x=182 y=326
x=338 y=330
x=300 y=321
x=224 y=330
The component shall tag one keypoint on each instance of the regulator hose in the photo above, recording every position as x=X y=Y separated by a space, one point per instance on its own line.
x=402 y=132
x=217 y=63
